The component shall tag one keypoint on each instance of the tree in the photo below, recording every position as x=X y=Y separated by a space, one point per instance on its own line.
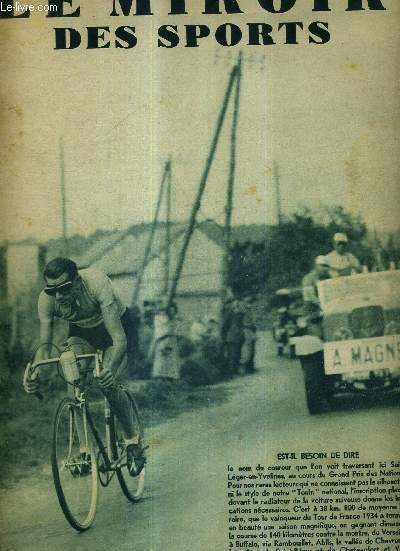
x=289 y=250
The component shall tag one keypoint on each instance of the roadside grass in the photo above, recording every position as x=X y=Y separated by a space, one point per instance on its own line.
x=26 y=423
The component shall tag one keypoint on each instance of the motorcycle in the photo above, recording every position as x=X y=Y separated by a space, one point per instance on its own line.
x=289 y=322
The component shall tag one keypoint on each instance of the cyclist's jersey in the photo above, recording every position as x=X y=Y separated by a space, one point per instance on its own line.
x=92 y=292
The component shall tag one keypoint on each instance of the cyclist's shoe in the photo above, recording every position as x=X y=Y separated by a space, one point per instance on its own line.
x=135 y=458
x=81 y=465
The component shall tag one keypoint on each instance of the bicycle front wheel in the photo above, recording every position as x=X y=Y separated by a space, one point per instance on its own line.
x=74 y=466
x=132 y=486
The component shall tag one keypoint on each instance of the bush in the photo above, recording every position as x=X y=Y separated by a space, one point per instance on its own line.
x=158 y=392
x=186 y=347
x=204 y=366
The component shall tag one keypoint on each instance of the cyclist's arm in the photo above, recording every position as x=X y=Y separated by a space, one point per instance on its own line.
x=45 y=340
x=46 y=318
x=32 y=385
x=114 y=327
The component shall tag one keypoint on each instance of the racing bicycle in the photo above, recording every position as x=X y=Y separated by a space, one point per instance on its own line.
x=79 y=458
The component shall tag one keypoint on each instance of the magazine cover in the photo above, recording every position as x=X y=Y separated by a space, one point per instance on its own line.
x=199 y=275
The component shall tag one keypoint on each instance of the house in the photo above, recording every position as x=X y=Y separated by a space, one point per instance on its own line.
x=200 y=284
x=21 y=266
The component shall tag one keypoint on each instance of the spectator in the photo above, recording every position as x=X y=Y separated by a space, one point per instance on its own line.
x=233 y=334
x=165 y=350
x=310 y=283
x=312 y=309
x=212 y=328
x=250 y=338
x=198 y=330
x=341 y=262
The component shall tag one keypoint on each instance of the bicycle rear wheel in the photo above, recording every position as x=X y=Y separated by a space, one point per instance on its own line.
x=132 y=486
x=74 y=471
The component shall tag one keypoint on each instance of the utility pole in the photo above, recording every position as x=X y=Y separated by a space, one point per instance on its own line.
x=63 y=198
x=149 y=244
x=277 y=194
x=377 y=248
x=202 y=185
x=231 y=181
x=167 y=265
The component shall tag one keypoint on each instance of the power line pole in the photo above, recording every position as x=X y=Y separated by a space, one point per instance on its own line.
x=167 y=265
x=231 y=181
x=149 y=244
x=377 y=250
x=202 y=185
x=277 y=194
x=63 y=198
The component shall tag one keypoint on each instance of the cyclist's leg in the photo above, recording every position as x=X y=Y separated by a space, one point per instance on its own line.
x=120 y=403
x=99 y=338
x=118 y=398
x=79 y=346
x=131 y=322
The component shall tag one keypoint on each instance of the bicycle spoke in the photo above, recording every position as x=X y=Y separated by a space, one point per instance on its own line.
x=74 y=468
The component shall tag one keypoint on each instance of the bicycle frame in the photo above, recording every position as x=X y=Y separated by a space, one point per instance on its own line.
x=80 y=397
x=78 y=449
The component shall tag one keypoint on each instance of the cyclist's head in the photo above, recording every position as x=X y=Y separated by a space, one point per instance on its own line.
x=58 y=266
x=60 y=275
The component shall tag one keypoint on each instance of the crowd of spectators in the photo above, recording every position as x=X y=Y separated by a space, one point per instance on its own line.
x=222 y=344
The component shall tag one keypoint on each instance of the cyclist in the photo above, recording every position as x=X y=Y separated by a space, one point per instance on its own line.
x=98 y=320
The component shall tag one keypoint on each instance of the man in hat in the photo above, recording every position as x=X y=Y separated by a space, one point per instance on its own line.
x=340 y=261
x=310 y=283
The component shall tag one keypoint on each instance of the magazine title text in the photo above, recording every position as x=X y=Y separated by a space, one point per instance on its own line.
x=173 y=34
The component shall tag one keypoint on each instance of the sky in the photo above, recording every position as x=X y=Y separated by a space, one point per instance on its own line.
x=326 y=116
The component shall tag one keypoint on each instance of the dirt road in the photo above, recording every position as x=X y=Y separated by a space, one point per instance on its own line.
x=184 y=504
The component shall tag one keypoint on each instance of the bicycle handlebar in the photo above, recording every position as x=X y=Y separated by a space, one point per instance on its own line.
x=32 y=368
x=56 y=360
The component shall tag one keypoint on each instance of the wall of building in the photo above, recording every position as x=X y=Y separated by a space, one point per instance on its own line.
x=202 y=270
x=24 y=264
x=201 y=274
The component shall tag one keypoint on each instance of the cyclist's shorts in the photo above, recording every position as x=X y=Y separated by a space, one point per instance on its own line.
x=100 y=338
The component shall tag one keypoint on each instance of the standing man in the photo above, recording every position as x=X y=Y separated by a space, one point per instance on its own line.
x=312 y=309
x=97 y=320
x=232 y=334
x=313 y=364
x=250 y=338
x=341 y=262
x=310 y=284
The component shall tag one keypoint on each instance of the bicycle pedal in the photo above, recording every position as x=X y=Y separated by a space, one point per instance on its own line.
x=137 y=466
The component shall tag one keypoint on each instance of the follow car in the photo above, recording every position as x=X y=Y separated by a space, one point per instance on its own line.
x=356 y=347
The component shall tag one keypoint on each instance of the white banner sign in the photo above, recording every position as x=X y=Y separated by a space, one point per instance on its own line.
x=362 y=354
